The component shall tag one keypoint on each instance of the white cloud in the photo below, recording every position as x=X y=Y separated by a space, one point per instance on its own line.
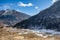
x=6 y=7
x=24 y=5
x=54 y=1
x=37 y=8
x=18 y=10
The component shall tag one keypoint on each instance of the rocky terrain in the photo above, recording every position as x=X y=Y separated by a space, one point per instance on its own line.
x=43 y=26
x=9 y=33
x=46 y=19
x=11 y=17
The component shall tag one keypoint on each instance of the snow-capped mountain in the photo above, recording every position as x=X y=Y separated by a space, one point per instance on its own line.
x=11 y=17
x=46 y=19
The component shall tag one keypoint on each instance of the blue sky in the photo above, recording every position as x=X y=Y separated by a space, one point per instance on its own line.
x=30 y=7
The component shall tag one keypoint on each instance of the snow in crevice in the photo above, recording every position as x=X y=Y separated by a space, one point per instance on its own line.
x=41 y=33
x=7 y=12
x=48 y=31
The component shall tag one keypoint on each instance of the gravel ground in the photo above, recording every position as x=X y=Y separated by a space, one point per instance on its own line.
x=8 y=33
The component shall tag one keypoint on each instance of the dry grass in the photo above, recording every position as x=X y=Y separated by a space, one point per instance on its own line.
x=19 y=34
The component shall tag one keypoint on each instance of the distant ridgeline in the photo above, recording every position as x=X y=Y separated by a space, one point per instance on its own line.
x=46 y=19
x=11 y=17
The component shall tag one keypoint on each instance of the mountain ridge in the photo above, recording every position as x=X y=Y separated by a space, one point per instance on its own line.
x=46 y=19
x=12 y=17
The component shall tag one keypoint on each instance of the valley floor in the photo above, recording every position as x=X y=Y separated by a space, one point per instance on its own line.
x=8 y=33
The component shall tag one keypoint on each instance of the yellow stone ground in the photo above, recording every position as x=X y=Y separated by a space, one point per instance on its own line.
x=7 y=33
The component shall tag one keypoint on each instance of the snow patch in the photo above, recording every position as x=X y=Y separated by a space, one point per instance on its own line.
x=49 y=31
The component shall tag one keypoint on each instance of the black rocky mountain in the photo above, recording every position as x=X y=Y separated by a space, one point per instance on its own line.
x=11 y=17
x=46 y=19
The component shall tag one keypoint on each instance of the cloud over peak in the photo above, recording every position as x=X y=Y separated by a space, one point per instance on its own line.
x=54 y=1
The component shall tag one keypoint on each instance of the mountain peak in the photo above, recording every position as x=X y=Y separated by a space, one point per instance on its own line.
x=46 y=19
x=11 y=17
x=8 y=12
x=57 y=1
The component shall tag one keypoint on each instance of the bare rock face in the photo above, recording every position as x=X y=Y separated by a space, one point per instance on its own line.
x=46 y=19
x=11 y=17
